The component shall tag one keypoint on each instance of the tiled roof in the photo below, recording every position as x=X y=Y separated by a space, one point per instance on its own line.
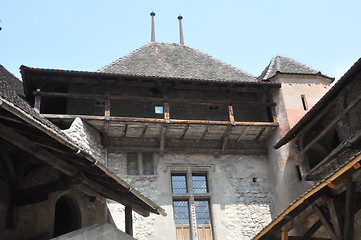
x=9 y=99
x=171 y=60
x=11 y=81
x=281 y=64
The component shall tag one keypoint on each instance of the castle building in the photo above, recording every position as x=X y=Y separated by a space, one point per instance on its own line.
x=226 y=154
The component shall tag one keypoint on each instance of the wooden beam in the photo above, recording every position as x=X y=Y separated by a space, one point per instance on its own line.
x=225 y=138
x=158 y=120
x=148 y=99
x=284 y=234
x=204 y=133
x=166 y=112
x=8 y=166
x=128 y=220
x=348 y=231
x=325 y=222
x=312 y=230
x=335 y=215
x=188 y=150
x=185 y=129
x=40 y=192
x=231 y=114
x=30 y=147
x=162 y=140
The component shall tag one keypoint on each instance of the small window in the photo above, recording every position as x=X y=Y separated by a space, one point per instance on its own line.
x=199 y=183
x=140 y=164
x=304 y=102
x=158 y=109
x=179 y=183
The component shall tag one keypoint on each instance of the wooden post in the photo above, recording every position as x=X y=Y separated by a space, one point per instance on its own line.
x=107 y=109
x=231 y=114
x=166 y=112
x=284 y=235
x=37 y=103
x=350 y=210
x=128 y=220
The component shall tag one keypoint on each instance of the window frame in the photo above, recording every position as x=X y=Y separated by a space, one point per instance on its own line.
x=192 y=197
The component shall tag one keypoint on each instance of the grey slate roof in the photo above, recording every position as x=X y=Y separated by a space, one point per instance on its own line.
x=11 y=81
x=171 y=60
x=282 y=64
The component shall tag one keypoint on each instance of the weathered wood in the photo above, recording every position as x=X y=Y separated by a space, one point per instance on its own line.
x=284 y=234
x=37 y=103
x=158 y=120
x=335 y=214
x=162 y=140
x=231 y=114
x=188 y=150
x=348 y=231
x=225 y=138
x=148 y=99
x=312 y=230
x=325 y=222
x=204 y=133
x=107 y=109
x=30 y=147
x=128 y=220
x=166 y=111
x=40 y=192
x=8 y=166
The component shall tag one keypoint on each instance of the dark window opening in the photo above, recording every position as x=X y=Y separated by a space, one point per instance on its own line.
x=299 y=175
x=67 y=216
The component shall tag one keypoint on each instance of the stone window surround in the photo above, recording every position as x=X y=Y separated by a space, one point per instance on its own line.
x=189 y=169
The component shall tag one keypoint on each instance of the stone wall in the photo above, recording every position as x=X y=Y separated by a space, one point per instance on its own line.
x=240 y=194
x=37 y=219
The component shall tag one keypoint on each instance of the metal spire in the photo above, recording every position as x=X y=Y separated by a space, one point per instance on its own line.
x=153 y=27
x=181 y=30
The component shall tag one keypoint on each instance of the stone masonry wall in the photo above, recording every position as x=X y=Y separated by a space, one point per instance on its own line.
x=239 y=186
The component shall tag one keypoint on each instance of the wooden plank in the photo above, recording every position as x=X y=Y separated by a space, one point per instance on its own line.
x=325 y=222
x=128 y=220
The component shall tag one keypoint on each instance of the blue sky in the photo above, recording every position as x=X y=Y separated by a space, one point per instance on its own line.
x=86 y=35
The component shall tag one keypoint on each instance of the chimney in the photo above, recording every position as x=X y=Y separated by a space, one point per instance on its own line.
x=153 y=28
x=181 y=30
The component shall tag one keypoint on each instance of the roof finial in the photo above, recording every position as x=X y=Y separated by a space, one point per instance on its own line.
x=181 y=30
x=153 y=28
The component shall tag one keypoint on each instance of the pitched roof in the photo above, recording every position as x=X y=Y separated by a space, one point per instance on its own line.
x=10 y=81
x=287 y=65
x=171 y=60
x=12 y=103
x=321 y=104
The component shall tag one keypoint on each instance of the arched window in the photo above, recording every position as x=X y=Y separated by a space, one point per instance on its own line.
x=67 y=216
